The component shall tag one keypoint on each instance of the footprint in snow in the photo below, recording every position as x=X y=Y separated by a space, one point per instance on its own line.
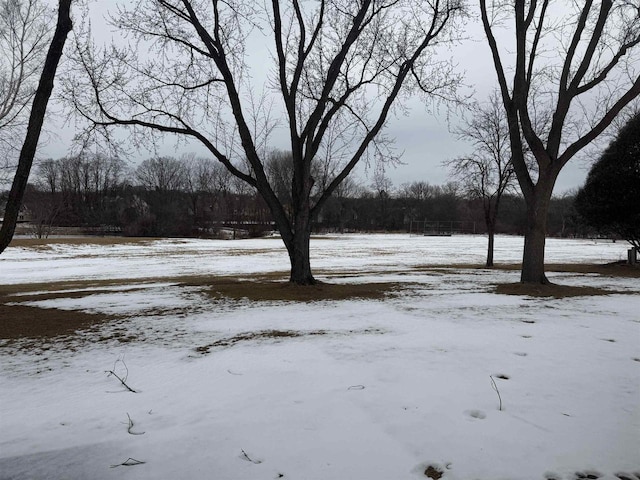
x=588 y=474
x=552 y=476
x=479 y=414
x=628 y=476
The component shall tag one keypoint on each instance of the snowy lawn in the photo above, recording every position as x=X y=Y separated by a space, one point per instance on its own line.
x=396 y=385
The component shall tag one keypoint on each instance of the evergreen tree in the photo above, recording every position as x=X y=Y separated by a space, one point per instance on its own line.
x=610 y=198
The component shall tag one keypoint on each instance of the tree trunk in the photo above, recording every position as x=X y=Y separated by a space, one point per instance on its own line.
x=490 y=215
x=36 y=119
x=491 y=232
x=535 y=237
x=298 y=250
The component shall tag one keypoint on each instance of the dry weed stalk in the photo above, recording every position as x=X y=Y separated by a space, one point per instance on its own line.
x=123 y=381
x=495 y=387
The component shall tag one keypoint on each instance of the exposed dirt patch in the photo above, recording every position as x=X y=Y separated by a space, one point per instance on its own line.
x=551 y=290
x=80 y=240
x=288 y=292
x=255 y=336
x=614 y=269
x=276 y=335
x=433 y=472
x=66 y=289
x=19 y=321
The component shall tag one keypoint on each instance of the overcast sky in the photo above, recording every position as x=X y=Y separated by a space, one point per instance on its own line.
x=424 y=138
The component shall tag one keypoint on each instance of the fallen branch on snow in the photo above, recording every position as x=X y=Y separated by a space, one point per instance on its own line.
x=249 y=459
x=495 y=387
x=123 y=381
x=129 y=462
x=131 y=427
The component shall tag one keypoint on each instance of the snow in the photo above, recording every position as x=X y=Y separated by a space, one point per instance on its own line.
x=367 y=389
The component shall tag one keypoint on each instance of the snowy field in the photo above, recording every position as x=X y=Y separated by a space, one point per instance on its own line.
x=400 y=387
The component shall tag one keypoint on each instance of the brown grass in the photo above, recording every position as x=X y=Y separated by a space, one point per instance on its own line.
x=550 y=290
x=255 y=336
x=19 y=321
x=269 y=290
x=80 y=240
x=615 y=269
x=276 y=335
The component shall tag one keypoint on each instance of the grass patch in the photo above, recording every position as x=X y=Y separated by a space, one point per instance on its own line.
x=24 y=292
x=21 y=321
x=276 y=335
x=614 y=269
x=550 y=290
x=80 y=240
x=269 y=290
x=255 y=336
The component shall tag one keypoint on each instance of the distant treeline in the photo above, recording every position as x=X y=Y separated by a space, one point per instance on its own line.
x=191 y=196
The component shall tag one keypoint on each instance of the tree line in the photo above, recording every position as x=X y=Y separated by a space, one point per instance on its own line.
x=194 y=196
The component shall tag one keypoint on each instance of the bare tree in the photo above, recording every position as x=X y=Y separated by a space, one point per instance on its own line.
x=204 y=180
x=339 y=69
x=48 y=176
x=487 y=173
x=163 y=174
x=575 y=69
x=418 y=190
x=36 y=119
x=24 y=36
x=279 y=170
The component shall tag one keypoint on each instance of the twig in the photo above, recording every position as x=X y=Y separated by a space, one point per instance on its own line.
x=247 y=457
x=495 y=387
x=123 y=381
x=129 y=462
x=131 y=426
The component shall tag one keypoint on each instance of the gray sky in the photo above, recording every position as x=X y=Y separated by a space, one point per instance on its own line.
x=424 y=138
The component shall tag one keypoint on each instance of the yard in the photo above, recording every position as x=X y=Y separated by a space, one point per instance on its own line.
x=410 y=361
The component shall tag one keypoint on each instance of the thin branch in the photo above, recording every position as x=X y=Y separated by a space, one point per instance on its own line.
x=129 y=462
x=130 y=427
x=122 y=380
x=495 y=387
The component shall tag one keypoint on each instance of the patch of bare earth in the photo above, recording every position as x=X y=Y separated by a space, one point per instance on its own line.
x=615 y=269
x=80 y=240
x=33 y=325
x=21 y=321
x=270 y=290
x=255 y=336
x=551 y=290
x=275 y=335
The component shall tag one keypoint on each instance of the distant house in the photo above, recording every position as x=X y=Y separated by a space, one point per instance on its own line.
x=23 y=216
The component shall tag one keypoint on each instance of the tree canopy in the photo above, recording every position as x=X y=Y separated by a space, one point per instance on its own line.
x=610 y=198
x=339 y=70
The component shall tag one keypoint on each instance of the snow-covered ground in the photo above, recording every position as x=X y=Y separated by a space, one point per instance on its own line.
x=353 y=389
